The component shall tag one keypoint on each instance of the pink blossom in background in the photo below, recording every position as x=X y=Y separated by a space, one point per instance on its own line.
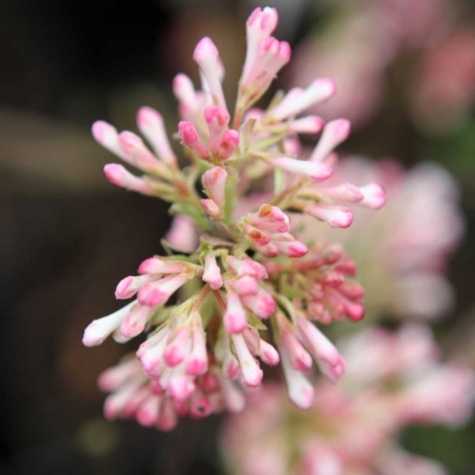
x=393 y=379
x=433 y=51
x=444 y=85
x=415 y=24
x=353 y=54
x=403 y=270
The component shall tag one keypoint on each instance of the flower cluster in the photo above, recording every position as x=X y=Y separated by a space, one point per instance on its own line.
x=394 y=380
x=235 y=289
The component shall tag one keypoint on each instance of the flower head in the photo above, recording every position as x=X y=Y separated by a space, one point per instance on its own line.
x=239 y=290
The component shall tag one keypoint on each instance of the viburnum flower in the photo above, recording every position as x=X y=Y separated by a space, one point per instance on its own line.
x=394 y=379
x=236 y=288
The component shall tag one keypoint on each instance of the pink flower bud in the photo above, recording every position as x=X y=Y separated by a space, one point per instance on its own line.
x=222 y=142
x=212 y=272
x=251 y=373
x=185 y=93
x=134 y=322
x=260 y=25
x=245 y=285
x=188 y=133
x=207 y=56
x=157 y=265
x=151 y=353
x=258 y=237
x=301 y=391
x=182 y=235
x=268 y=353
x=119 y=176
x=190 y=137
x=347 y=267
x=270 y=218
x=298 y=356
x=345 y=193
x=210 y=208
x=158 y=292
x=217 y=119
x=373 y=196
x=137 y=153
x=247 y=266
x=268 y=57
x=335 y=216
x=297 y=101
x=267 y=250
x=234 y=317
x=333 y=279
x=214 y=183
x=106 y=135
x=256 y=269
x=148 y=412
x=288 y=245
x=151 y=125
x=324 y=352
x=129 y=286
x=228 y=144
x=334 y=133
x=259 y=347
x=351 y=290
x=262 y=22
x=197 y=362
x=261 y=303
x=178 y=348
x=354 y=310
x=231 y=366
x=315 y=170
x=180 y=387
x=311 y=124
x=98 y=330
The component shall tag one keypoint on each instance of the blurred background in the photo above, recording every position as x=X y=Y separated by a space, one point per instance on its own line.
x=405 y=73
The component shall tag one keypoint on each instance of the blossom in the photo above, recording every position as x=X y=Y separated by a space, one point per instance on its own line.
x=394 y=379
x=238 y=290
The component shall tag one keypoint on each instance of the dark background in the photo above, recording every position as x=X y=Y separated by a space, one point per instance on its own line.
x=67 y=237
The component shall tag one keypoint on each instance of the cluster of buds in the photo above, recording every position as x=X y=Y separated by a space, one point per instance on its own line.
x=394 y=380
x=268 y=231
x=239 y=291
x=321 y=284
